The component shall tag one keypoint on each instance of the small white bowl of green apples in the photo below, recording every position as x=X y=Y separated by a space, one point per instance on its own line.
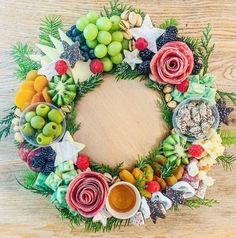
x=42 y=123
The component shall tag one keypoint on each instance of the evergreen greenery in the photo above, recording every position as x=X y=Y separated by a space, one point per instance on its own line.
x=228 y=137
x=168 y=169
x=49 y=26
x=198 y=202
x=169 y=22
x=72 y=126
x=226 y=161
x=20 y=53
x=227 y=95
x=154 y=85
x=193 y=42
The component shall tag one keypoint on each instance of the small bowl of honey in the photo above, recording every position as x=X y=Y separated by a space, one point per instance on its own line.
x=123 y=200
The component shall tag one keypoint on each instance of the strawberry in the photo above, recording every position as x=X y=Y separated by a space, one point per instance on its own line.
x=141 y=44
x=96 y=66
x=61 y=67
x=195 y=150
x=183 y=87
x=153 y=187
x=82 y=162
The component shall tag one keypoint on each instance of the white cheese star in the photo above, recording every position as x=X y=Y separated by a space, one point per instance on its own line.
x=148 y=32
x=67 y=149
x=102 y=217
x=48 y=70
x=131 y=58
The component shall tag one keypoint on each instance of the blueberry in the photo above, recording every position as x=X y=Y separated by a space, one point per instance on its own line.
x=91 y=54
x=86 y=56
x=68 y=33
x=77 y=38
x=81 y=38
x=75 y=32
x=73 y=39
x=73 y=27
x=84 y=48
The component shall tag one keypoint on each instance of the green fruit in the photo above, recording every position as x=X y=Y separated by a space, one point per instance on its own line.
x=104 y=24
x=50 y=129
x=82 y=22
x=100 y=51
x=125 y=44
x=43 y=140
x=92 y=16
x=114 y=48
x=59 y=131
x=42 y=110
x=104 y=37
x=62 y=89
x=29 y=115
x=90 y=32
x=37 y=122
x=55 y=116
x=115 y=20
x=107 y=64
x=28 y=130
x=91 y=43
x=117 y=36
x=117 y=59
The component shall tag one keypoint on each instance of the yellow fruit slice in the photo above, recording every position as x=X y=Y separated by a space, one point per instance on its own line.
x=47 y=98
x=38 y=97
x=31 y=76
x=27 y=85
x=40 y=83
x=23 y=98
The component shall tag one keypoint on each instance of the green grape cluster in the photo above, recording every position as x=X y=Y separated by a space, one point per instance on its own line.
x=104 y=36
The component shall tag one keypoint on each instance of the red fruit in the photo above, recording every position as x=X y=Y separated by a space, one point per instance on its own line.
x=96 y=66
x=183 y=87
x=141 y=44
x=23 y=152
x=82 y=162
x=195 y=150
x=153 y=187
x=61 y=67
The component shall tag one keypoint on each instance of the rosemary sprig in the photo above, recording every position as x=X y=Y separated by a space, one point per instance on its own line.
x=6 y=122
x=154 y=85
x=116 y=7
x=198 y=202
x=20 y=53
x=228 y=137
x=104 y=168
x=72 y=126
x=226 y=161
x=123 y=71
x=227 y=95
x=49 y=26
x=205 y=49
x=168 y=169
x=192 y=42
x=169 y=22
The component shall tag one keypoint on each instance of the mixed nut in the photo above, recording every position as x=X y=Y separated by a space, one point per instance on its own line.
x=167 y=90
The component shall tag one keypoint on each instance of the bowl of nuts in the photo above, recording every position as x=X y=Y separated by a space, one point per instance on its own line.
x=194 y=117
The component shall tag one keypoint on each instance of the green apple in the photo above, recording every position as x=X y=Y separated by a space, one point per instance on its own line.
x=55 y=116
x=37 y=122
x=43 y=140
x=59 y=131
x=29 y=115
x=28 y=130
x=42 y=110
x=50 y=129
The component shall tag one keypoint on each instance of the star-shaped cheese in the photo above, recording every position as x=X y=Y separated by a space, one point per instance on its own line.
x=67 y=149
x=102 y=217
x=148 y=32
x=48 y=70
x=131 y=58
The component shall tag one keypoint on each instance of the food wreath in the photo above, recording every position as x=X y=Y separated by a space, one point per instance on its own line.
x=66 y=65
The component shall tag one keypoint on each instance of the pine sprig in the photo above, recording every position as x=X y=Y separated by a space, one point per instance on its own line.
x=168 y=169
x=169 y=22
x=72 y=126
x=226 y=161
x=116 y=7
x=227 y=95
x=165 y=111
x=20 y=53
x=104 y=168
x=205 y=49
x=49 y=26
x=193 y=42
x=228 y=137
x=154 y=85
x=6 y=122
x=124 y=72
x=198 y=202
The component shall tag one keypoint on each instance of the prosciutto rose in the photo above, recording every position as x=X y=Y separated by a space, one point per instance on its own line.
x=87 y=193
x=173 y=63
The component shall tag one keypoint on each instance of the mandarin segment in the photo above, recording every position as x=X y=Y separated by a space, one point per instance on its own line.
x=31 y=75
x=40 y=83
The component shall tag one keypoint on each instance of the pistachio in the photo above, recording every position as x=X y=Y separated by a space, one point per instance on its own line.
x=127 y=35
x=131 y=45
x=15 y=121
x=108 y=177
x=66 y=108
x=133 y=18
x=168 y=88
x=172 y=104
x=124 y=15
x=139 y=20
x=18 y=112
x=115 y=179
x=18 y=137
x=168 y=97
x=16 y=128
x=124 y=25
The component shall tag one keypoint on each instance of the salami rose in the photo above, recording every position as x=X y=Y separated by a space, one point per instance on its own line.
x=173 y=63
x=87 y=193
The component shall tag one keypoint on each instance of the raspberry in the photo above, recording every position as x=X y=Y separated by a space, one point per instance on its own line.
x=141 y=44
x=82 y=162
x=96 y=66
x=183 y=87
x=195 y=150
x=153 y=187
x=61 y=67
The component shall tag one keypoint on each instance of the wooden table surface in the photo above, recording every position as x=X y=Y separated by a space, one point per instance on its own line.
x=23 y=214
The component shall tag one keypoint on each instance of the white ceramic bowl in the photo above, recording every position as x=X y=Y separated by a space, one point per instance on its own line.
x=128 y=214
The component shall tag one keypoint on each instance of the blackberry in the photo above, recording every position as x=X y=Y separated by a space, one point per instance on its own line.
x=38 y=162
x=197 y=65
x=144 y=67
x=48 y=153
x=171 y=30
x=48 y=168
x=224 y=111
x=165 y=38
x=146 y=54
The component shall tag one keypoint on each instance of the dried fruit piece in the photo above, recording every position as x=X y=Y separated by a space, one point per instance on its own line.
x=125 y=175
x=38 y=97
x=171 y=180
x=27 y=85
x=138 y=174
x=161 y=181
x=23 y=98
x=31 y=75
x=145 y=193
x=40 y=83
x=149 y=173
x=178 y=172
x=46 y=96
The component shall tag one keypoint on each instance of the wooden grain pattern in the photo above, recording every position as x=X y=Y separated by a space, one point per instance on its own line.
x=26 y=215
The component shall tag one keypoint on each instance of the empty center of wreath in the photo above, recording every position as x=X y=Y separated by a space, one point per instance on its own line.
x=119 y=122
